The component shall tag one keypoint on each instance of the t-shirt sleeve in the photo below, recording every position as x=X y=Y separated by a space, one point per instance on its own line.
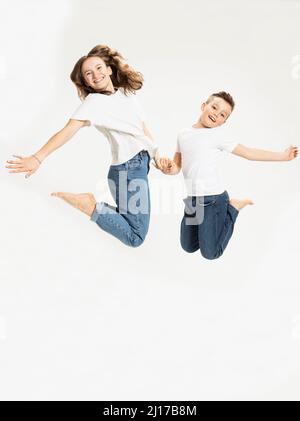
x=178 y=144
x=88 y=110
x=139 y=109
x=227 y=145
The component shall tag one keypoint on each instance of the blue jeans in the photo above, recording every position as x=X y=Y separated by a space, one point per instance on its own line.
x=207 y=224
x=128 y=183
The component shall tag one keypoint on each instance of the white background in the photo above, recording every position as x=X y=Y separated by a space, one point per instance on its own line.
x=81 y=315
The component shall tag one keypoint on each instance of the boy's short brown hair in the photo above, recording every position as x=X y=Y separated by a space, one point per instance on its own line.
x=224 y=95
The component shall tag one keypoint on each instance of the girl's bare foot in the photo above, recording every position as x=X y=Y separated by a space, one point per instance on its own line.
x=85 y=202
x=240 y=204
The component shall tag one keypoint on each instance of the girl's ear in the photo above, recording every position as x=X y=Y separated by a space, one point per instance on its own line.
x=110 y=71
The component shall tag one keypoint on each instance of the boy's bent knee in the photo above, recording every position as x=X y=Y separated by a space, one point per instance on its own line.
x=211 y=255
x=189 y=249
x=188 y=246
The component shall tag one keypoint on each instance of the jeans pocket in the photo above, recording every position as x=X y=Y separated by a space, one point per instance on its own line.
x=135 y=162
x=211 y=203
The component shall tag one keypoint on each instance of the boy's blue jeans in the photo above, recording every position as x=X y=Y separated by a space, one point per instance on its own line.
x=207 y=224
x=128 y=183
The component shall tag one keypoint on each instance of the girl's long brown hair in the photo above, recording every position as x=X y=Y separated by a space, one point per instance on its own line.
x=123 y=76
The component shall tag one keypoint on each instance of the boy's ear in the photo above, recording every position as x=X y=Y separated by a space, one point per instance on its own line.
x=202 y=106
x=227 y=118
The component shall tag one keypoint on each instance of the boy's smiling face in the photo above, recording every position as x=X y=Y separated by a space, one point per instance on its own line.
x=214 y=112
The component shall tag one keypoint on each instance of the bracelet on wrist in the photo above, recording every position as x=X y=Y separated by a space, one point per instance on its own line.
x=37 y=158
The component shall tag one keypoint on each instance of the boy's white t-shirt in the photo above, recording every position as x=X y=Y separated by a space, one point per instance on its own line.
x=201 y=150
x=119 y=118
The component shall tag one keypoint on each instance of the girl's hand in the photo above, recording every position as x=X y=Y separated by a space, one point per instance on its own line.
x=168 y=166
x=156 y=163
x=25 y=164
x=164 y=164
x=290 y=153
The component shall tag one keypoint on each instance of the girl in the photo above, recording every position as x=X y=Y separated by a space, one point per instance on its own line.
x=106 y=85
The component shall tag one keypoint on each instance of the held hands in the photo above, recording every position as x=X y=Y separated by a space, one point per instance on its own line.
x=28 y=164
x=166 y=165
x=290 y=153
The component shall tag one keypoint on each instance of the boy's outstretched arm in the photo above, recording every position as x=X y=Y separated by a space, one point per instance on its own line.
x=261 y=155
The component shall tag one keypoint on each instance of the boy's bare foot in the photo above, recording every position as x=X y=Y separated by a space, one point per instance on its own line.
x=240 y=204
x=85 y=202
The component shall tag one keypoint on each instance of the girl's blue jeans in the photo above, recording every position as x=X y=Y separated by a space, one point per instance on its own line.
x=207 y=224
x=128 y=183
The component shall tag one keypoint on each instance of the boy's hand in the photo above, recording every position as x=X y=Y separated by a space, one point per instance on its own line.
x=290 y=153
x=25 y=164
x=165 y=165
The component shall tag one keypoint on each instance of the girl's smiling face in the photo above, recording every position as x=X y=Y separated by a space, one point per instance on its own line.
x=97 y=74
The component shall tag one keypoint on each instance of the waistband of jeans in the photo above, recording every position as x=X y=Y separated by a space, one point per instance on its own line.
x=143 y=153
x=212 y=196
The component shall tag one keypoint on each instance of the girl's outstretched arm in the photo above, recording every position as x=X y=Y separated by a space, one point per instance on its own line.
x=31 y=163
x=261 y=155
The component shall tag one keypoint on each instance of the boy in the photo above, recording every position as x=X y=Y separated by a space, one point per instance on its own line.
x=209 y=214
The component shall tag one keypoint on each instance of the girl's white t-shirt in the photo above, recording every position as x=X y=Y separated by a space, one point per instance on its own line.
x=201 y=150
x=119 y=118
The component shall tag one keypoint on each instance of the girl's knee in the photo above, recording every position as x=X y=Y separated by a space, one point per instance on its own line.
x=136 y=241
